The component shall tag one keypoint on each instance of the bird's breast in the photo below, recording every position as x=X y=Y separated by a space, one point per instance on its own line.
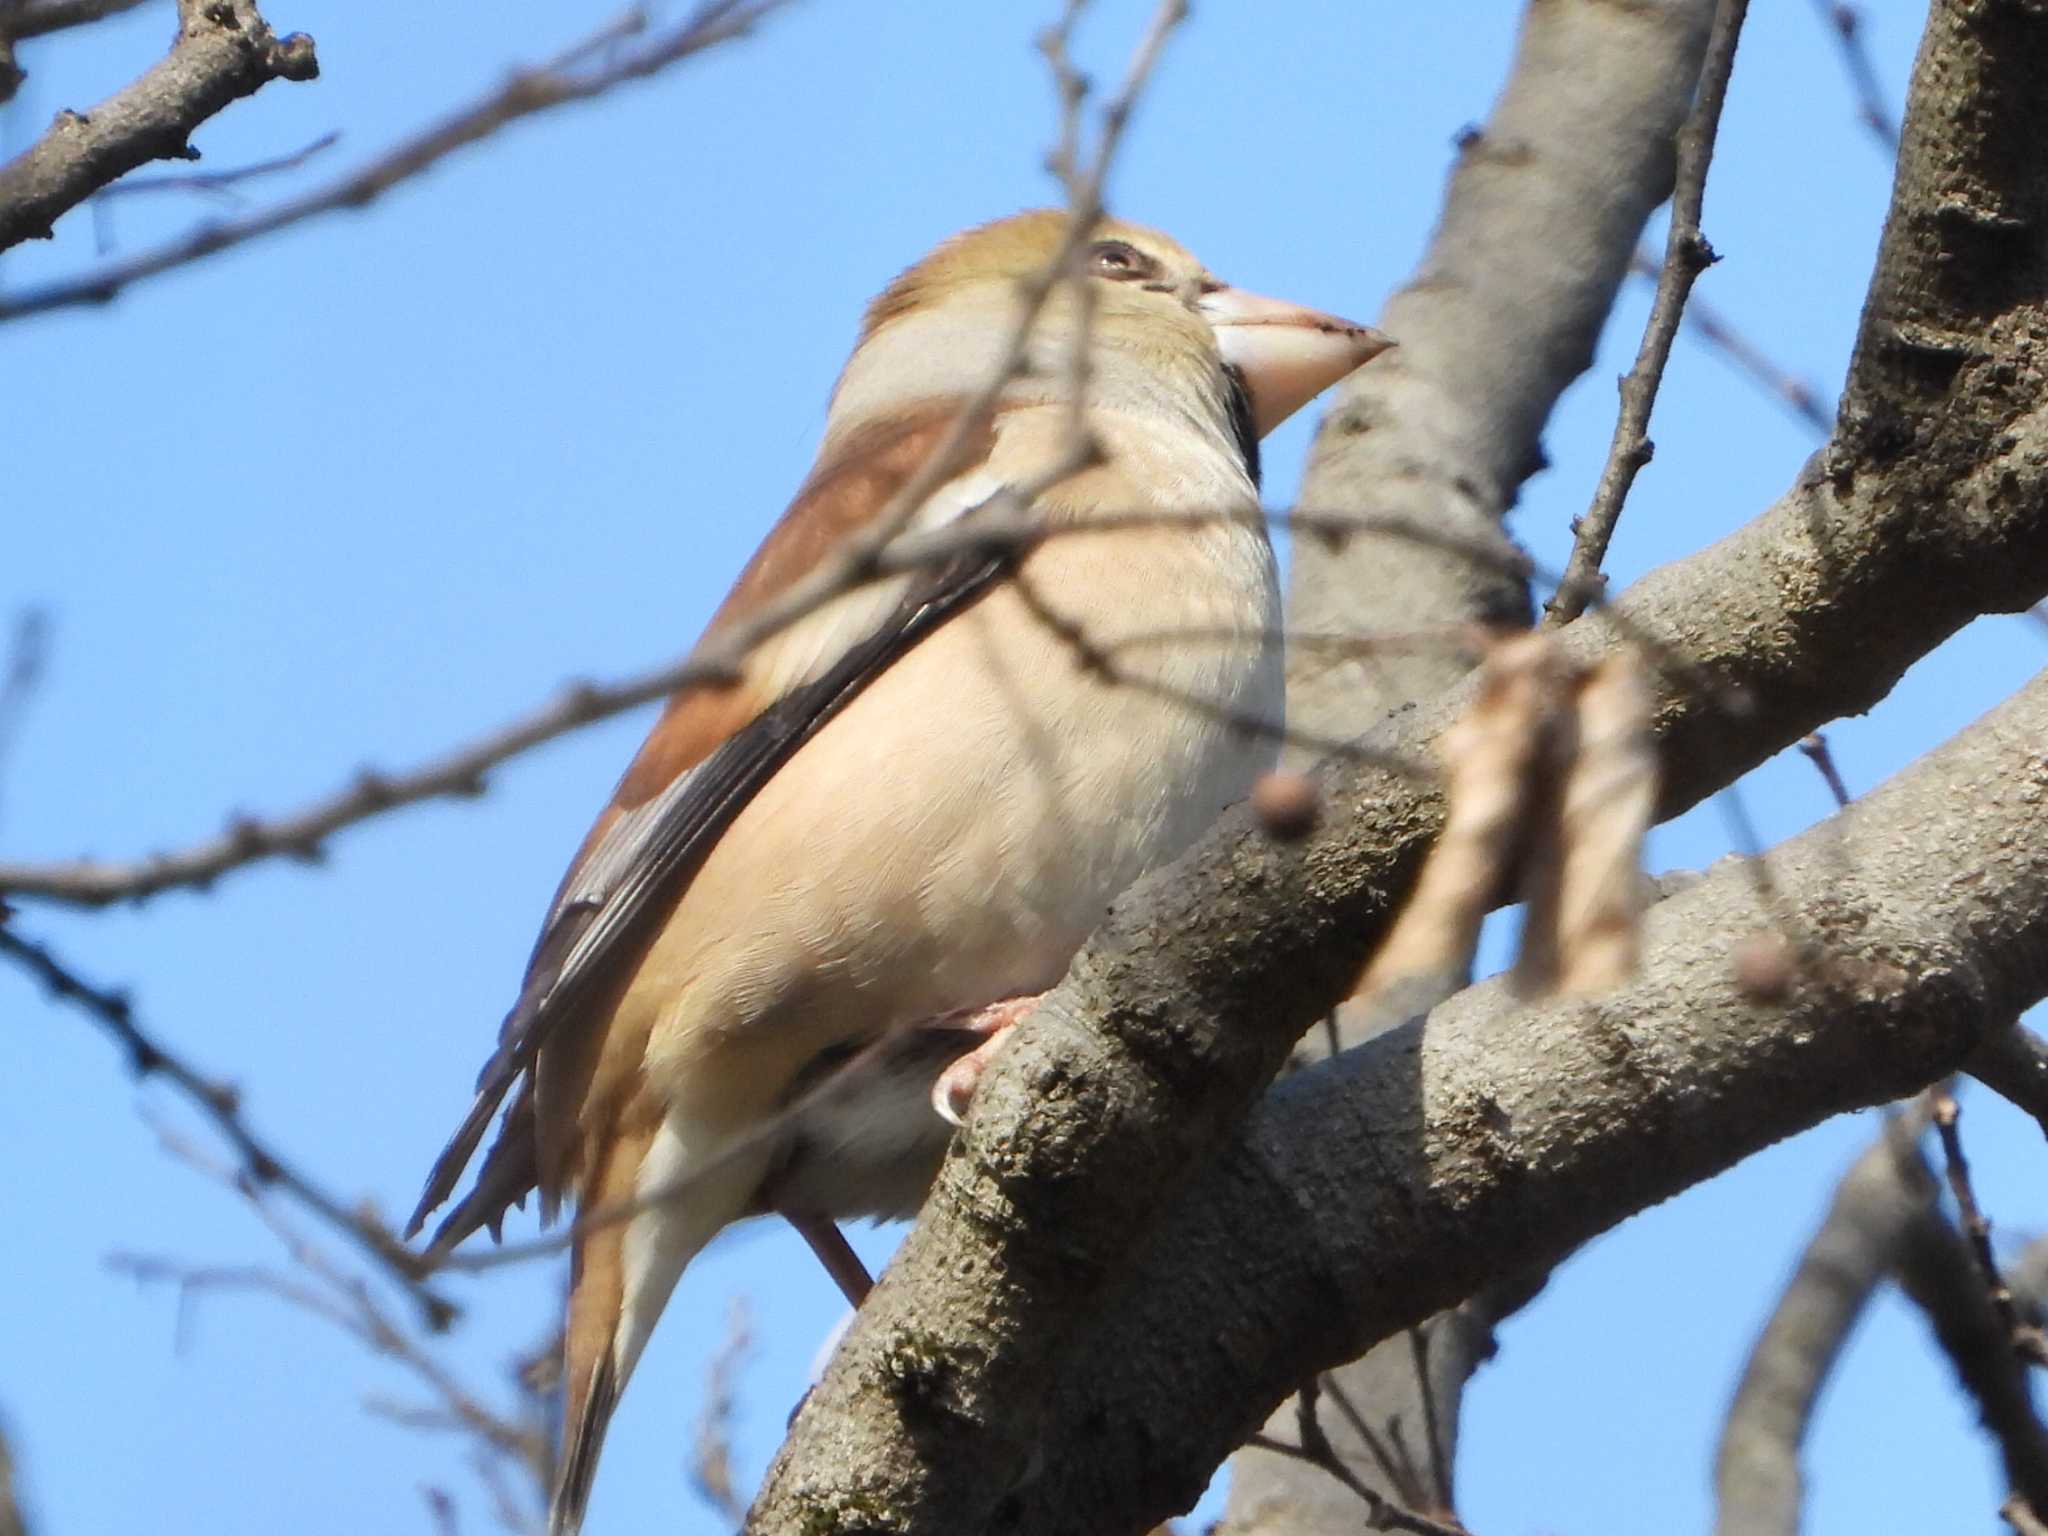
x=951 y=838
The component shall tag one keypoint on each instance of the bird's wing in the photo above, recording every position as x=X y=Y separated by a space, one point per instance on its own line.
x=706 y=757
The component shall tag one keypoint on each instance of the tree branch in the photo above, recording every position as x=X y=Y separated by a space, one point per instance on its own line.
x=34 y=18
x=1845 y=21
x=1544 y=207
x=1498 y=319
x=1686 y=256
x=1758 y=1485
x=1122 y=1085
x=21 y=19
x=260 y=1161
x=553 y=84
x=1370 y=1191
x=1937 y=1271
x=2013 y=1063
x=225 y=50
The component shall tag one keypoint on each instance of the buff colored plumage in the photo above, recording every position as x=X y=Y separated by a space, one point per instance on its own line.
x=903 y=820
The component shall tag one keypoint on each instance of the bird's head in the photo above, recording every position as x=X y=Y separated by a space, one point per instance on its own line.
x=1155 y=317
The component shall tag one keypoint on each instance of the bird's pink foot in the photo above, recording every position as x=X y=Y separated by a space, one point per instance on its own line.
x=954 y=1090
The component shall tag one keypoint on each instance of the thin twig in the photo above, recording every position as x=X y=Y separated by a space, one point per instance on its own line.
x=1382 y=1513
x=1399 y=1478
x=1005 y=523
x=1815 y=750
x=345 y=1301
x=1686 y=255
x=710 y=1467
x=1796 y=394
x=1439 y=1462
x=1845 y=21
x=35 y=18
x=528 y=91
x=260 y=1162
x=27 y=656
x=2027 y=1340
x=220 y=181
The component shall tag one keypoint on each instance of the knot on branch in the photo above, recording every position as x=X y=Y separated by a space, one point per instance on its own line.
x=292 y=58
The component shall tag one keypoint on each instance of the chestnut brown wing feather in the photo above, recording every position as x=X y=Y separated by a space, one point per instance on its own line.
x=572 y=960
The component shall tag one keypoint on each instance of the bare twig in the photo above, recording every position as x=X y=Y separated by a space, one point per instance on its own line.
x=34 y=18
x=1815 y=750
x=441 y=1510
x=1796 y=394
x=1936 y=1270
x=1686 y=255
x=345 y=1301
x=710 y=1466
x=259 y=1161
x=1759 y=1482
x=554 y=83
x=221 y=181
x=1399 y=1475
x=1006 y=523
x=225 y=50
x=21 y=19
x=2024 y=1338
x=1845 y=21
x=1382 y=1513
x=27 y=657
x=1439 y=1459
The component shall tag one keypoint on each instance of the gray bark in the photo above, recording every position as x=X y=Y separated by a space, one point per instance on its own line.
x=224 y=52
x=1019 y=1366
x=1540 y=220
x=1374 y=1189
x=1542 y=215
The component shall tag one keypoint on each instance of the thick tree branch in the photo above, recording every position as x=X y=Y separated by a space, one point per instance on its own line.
x=1372 y=1190
x=1487 y=345
x=1543 y=210
x=1124 y=1082
x=225 y=50
x=2013 y=1063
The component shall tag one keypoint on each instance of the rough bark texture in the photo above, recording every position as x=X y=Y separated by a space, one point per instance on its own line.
x=225 y=50
x=1543 y=213
x=1540 y=220
x=1369 y=1191
x=991 y=1349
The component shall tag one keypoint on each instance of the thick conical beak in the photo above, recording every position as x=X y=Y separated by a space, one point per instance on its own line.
x=1288 y=355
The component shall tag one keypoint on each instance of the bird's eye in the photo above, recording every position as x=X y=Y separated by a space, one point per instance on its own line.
x=1115 y=259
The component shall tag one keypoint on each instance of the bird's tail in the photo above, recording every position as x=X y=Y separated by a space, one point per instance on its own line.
x=622 y=1273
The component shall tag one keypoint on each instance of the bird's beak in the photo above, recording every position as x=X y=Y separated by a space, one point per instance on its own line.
x=1288 y=355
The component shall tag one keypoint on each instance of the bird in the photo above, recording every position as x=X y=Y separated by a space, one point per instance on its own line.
x=828 y=887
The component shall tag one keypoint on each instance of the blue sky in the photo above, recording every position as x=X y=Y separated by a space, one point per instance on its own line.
x=363 y=490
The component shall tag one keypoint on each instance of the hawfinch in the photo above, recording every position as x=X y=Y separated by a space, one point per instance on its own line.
x=822 y=891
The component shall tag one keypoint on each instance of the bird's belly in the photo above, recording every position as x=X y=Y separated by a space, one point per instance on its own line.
x=956 y=833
